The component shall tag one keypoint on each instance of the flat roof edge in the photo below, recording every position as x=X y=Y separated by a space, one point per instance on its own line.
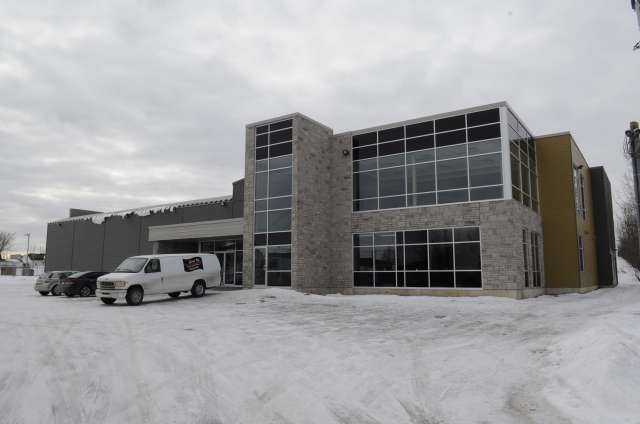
x=427 y=117
x=288 y=116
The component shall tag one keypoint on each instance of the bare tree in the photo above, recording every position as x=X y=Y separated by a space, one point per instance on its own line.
x=6 y=239
x=627 y=226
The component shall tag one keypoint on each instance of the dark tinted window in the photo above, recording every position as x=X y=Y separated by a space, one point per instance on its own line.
x=439 y=236
x=363 y=239
x=279 y=258
x=279 y=278
x=483 y=117
x=421 y=128
x=363 y=279
x=391 y=148
x=467 y=256
x=365 y=184
x=280 y=149
x=454 y=137
x=364 y=139
x=385 y=258
x=393 y=202
x=421 y=177
x=420 y=143
x=392 y=181
x=262 y=129
x=415 y=257
x=279 y=238
x=391 y=134
x=385 y=279
x=468 y=279
x=441 y=256
x=484 y=133
x=441 y=279
x=485 y=170
x=365 y=152
x=280 y=182
x=262 y=153
x=415 y=237
x=487 y=193
x=452 y=174
x=262 y=140
x=259 y=239
x=280 y=125
x=280 y=136
x=452 y=123
x=417 y=279
x=363 y=259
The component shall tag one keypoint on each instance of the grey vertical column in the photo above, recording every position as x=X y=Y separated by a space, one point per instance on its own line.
x=249 y=207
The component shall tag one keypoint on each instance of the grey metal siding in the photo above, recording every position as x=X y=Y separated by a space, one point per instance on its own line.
x=84 y=245
x=604 y=225
x=59 y=246
x=121 y=240
x=87 y=246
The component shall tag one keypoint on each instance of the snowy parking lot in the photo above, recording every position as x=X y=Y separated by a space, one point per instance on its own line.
x=279 y=356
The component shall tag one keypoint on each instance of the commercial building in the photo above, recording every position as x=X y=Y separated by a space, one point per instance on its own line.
x=450 y=204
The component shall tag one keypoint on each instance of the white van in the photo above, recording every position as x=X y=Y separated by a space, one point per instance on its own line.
x=138 y=276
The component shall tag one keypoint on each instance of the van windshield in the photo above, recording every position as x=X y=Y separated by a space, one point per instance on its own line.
x=131 y=265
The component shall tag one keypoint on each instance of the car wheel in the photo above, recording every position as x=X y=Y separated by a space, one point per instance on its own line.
x=44 y=293
x=134 y=295
x=107 y=300
x=174 y=294
x=55 y=291
x=198 y=289
x=69 y=294
x=85 y=291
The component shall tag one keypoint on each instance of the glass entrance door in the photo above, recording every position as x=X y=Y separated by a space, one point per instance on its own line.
x=229 y=268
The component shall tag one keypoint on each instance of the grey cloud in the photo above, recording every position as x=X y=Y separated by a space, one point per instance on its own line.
x=122 y=104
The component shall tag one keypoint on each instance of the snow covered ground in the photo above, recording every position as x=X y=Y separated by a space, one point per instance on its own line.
x=278 y=356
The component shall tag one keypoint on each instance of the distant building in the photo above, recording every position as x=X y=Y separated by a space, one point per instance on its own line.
x=461 y=203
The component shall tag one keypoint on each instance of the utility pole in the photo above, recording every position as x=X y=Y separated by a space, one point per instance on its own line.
x=632 y=151
x=635 y=5
x=28 y=236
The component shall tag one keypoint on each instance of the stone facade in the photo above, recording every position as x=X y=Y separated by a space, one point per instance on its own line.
x=323 y=222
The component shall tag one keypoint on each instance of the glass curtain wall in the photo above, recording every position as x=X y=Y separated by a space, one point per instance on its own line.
x=435 y=258
x=273 y=200
x=524 y=174
x=449 y=160
x=229 y=253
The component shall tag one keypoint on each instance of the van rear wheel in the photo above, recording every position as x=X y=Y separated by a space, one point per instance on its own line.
x=107 y=300
x=134 y=295
x=198 y=289
x=174 y=294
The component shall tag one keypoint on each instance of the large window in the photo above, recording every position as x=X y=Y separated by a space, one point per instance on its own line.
x=273 y=200
x=524 y=175
x=436 y=258
x=448 y=160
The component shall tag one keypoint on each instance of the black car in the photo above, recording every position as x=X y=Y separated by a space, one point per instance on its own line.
x=81 y=283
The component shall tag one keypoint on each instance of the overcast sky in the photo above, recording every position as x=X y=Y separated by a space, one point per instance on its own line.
x=117 y=104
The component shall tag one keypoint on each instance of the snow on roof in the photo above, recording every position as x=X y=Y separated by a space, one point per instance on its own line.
x=99 y=218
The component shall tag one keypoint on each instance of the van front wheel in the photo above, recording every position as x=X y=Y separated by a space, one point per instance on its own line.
x=134 y=296
x=198 y=289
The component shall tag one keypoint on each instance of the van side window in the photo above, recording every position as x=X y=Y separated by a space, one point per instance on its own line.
x=152 y=266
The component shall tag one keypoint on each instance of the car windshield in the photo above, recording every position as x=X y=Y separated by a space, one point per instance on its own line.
x=77 y=274
x=131 y=265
